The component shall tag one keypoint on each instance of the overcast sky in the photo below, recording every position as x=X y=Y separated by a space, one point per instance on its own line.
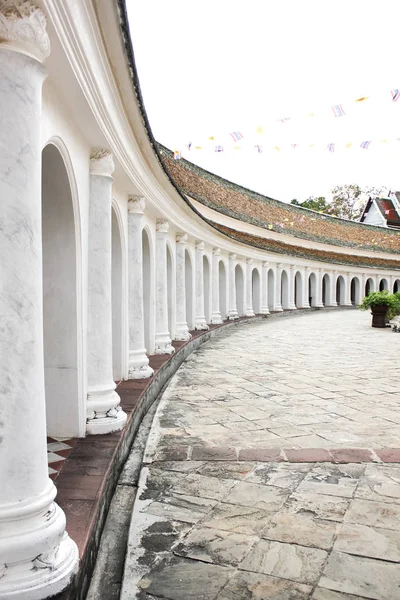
x=211 y=67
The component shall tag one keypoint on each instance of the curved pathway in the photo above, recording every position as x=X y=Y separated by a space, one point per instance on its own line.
x=270 y=470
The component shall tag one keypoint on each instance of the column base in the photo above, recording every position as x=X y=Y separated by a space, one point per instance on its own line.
x=278 y=308
x=319 y=305
x=139 y=367
x=38 y=558
x=250 y=313
x=292 y=307
x=182 y=332
x=200 y=324
x=233 y=314
x=264 y=310
x=216 y=318
x=163 y=344
x=305 y=306
x=104 y=414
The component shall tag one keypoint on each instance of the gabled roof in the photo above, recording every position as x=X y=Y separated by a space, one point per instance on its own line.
x=388 y=210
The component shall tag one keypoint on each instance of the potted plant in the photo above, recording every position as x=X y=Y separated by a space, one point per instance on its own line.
x=383 y=306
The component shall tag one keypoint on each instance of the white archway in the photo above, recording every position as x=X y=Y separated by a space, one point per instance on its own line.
x=355 y=291
x=298 y=290
x=326 y=290
x=256 y=291
x=396 y=286
x=65 y=410
x=207 y=288
x=383 y=285
x=284 y=290
x=189 y=274
x=340 y=291
x=239 y=283
x=271 y=290
x=369 y=286
x=222 y=282
x=312 y=289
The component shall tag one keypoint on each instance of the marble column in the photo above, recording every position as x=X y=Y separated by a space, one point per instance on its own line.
x=377 y=282
x=200 y=322
x=232 y=311
x=249 y=288
x=278 y=287
x=347 y=289
x=292 y=272
x=264 y=288
x=333 y=288
x=163 y=337
x=37 y=558
x=216 y=317
x=182 y=329
x=318 y=301
x=138 y=366
x=104 y=413
x=306 y=296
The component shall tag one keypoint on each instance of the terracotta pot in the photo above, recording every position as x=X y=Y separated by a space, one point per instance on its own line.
x=379 y=313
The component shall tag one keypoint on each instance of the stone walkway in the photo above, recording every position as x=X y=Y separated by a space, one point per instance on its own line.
x=270 y=471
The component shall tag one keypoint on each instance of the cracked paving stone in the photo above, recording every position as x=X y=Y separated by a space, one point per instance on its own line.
x=181 y=579
x=264 y=497
x=188 y=509
x=361 y=576
x=226 y=470
x=255 y=586
x=374 y=514
x=372 y=542
x=332 y=508
x=380 y=484
x=285 y=476
x=238 y=519
x=332 y=480
x=289 y=561
x=301 y=530
x=216 y=546
x=324 y=594
x=203 y=487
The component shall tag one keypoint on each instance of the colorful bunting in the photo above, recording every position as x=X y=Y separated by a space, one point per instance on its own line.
x=365 y=145
x=219 y=149
x=331 y=147
x=177 y=155
x=395 y=95
x=259 y=149
x=236 y=136
x=338 y=110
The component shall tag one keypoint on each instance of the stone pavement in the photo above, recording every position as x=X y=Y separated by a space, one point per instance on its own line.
x=271 y=471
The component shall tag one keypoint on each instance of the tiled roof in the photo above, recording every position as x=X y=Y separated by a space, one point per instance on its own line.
x=245 y=205
x=388 y=210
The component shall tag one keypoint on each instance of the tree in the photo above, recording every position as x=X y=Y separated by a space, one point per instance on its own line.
x=319 y=204
x=349 y=200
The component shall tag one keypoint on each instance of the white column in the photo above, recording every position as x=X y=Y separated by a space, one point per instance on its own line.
x=138 y=366
x=182 y=329
x=278 y=286
x=163 y=338
x=216 y=317
x=232 y=312
x=249 y=288
x=306 y=297
x=104 y=413
x=200 y=322
x=377 y=282
x=333 y=288
x=37 y=558
x=264 y=288
x=318 y=301
x=292 y=304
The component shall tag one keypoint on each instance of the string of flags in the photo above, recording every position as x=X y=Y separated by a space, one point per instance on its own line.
x=241 y=141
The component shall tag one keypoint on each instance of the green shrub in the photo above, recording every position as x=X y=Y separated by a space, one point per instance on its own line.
x=383 y=298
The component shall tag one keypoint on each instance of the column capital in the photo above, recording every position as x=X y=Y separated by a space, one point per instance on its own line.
x=101 y=162
x=23 y=28
x=265 y=263
x=181 y=238
x=200 y=245
x=136 y=204
x=162 y=226
x=249 y=261
x=232 y=256
x=279 y=265
x=307 y=269
x=216 y=251
x=293 y=267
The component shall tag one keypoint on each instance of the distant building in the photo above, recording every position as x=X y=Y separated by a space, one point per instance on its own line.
x=383 y=211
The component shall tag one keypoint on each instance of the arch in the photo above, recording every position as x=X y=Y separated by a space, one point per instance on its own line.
x=396 y=286
x=256 y=290
x=148 y=297
x=369 y=286
x=116 y=295
x=207 y=288
x=298 y=290
x=170 y=291
x=383 y=285
x=284 y=290
x=62 y=319
x=340 y=291
x=189 y=290
x=355 y=291
x=312 y=289
x=239 y=283
x=223 y=297
x=271 y=290
x=326 y=290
